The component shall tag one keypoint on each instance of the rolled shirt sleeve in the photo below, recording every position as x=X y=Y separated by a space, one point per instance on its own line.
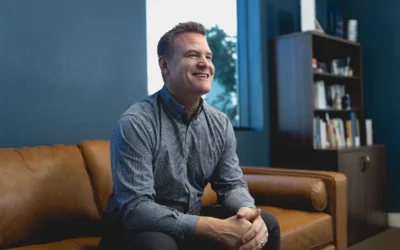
x=232 y=191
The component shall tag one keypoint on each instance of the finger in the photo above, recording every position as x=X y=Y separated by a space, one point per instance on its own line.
x=265 y=239
x=254 y=231
x=242 y=214
x=255 y=242
x=250 y=216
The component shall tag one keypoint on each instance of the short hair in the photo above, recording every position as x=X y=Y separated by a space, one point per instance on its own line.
x=164 y=48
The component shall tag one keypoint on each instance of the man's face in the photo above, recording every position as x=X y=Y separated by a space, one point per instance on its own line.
x=190 y=68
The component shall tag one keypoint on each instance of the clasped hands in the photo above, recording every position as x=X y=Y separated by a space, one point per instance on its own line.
x=252 y=225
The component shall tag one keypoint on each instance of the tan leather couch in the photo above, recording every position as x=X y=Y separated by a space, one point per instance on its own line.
x=53 y=197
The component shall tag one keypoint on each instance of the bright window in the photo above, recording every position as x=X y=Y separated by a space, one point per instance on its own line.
x=220 y=19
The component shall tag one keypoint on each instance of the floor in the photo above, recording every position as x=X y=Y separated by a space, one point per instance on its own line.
x=387 y=240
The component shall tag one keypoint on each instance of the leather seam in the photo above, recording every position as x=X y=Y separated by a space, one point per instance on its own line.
x=307 y=226
x=96 y=197
x=319 y=244
x=312 y=196
x=73 y=240
x=313 y=199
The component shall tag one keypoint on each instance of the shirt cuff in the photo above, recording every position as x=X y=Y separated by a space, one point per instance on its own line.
x=247 y=204
x=186 y=225
x=238 y=198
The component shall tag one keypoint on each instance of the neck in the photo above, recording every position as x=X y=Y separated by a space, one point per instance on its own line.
x=190 y=104
x=188 y=101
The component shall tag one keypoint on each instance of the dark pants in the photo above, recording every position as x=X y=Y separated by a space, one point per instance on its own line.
x=161 y=241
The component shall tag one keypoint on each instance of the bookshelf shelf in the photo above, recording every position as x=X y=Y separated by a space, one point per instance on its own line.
x=294 y=92
x=319 y=75
x=349 y=149
x=337 y=110
x=321 y=36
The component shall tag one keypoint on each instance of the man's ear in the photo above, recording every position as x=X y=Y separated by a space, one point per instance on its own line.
x=163 y=64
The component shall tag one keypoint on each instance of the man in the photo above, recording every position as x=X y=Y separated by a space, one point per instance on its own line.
x=165 y=149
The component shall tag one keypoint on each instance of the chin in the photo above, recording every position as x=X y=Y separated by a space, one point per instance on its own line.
x=205 y=90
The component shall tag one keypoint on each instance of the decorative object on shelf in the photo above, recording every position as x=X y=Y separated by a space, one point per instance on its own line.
x=314 y=64
x=352 y=30
x=319 y=66
x=307 y=15
x=319 y=95
x=318 y=27
x=337 y=104
x=330 y=96
x=346 y=102
x=335 y=20
x=340 y=66
x=369 y=132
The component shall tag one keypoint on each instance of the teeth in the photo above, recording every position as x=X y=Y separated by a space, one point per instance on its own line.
x=201 y=75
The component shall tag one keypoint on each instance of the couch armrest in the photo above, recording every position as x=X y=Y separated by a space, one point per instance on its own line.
x=336 y=187
x=291 y=192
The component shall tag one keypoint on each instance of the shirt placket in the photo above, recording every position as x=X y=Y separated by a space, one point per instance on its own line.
x=185 y=167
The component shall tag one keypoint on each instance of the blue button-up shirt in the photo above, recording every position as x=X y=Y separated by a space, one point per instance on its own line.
x=161 y=161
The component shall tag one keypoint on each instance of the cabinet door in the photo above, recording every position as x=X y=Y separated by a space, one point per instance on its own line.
x=351 y=166
x=375 y=185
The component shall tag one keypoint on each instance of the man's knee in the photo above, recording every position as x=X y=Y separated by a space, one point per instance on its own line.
x=150 y=241
x=274 y=233
x=270 y=220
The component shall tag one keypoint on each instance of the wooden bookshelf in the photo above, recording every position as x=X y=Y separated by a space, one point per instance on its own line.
x=293 y=80
x=293 y=132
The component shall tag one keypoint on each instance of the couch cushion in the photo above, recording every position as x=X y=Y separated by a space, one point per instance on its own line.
x=73 y=244
x=302 y=230
x=45 y=195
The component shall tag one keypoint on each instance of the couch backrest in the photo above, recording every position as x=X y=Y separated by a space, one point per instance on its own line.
x=45 y=195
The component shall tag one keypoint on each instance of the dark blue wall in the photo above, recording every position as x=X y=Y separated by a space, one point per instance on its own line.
x=379 y=35
x=68 y=68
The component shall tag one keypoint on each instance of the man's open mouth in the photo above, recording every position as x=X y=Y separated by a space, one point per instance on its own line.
x=201 y=75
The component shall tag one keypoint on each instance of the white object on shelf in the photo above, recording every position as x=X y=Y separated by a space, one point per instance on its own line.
x=368 y=131
x=352 y=30
x=307 y=15
x=319 y=95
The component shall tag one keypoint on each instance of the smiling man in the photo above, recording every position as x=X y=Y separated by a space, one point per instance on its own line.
x=164 y=151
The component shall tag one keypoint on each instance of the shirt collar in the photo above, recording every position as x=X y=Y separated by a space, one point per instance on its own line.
x=178 y=110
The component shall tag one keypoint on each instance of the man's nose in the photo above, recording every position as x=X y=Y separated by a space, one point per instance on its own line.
x=203 y=62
